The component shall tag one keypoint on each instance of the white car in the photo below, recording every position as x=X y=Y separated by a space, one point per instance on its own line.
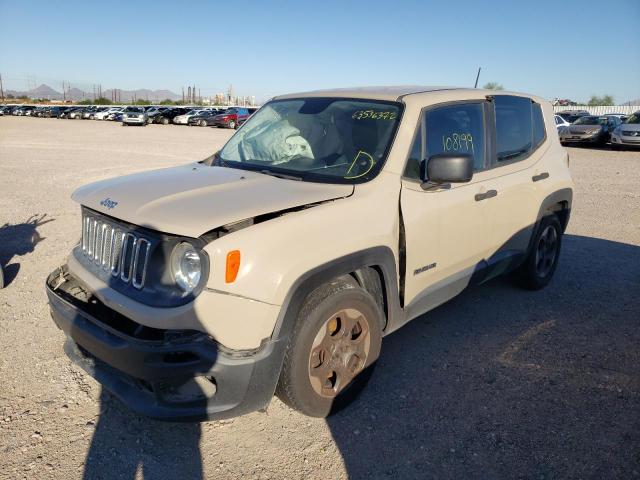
x=184 y=119
x=560 y=122
x=105 y=113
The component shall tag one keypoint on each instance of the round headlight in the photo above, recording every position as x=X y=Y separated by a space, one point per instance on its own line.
x=186 y=266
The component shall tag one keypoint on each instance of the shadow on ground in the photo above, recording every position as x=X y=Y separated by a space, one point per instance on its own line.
x=124 y=443
x=16 y=241
x=505 y=383
x=498 y=383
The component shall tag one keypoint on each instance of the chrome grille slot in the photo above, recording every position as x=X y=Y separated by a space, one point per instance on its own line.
x=128 y=245
x=110 y=248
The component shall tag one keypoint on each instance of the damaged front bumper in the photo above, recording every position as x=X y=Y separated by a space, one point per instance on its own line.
x=179 y=375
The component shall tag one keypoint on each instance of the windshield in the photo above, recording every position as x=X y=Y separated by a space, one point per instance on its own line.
x=332 y=140
x=591 y=121
x=635 y=118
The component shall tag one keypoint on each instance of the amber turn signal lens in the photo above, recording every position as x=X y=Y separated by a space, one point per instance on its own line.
x=233 y=265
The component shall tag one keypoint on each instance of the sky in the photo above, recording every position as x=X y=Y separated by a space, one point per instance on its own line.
x=567 y=49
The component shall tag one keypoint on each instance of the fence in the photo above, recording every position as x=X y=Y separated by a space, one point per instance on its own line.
x=600 y=110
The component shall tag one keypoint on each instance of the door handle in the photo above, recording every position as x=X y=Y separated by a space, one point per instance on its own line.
x=485 y=195
x=541 y=176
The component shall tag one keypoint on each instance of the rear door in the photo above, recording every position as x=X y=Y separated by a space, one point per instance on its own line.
x=447 y=232
x=518 y=175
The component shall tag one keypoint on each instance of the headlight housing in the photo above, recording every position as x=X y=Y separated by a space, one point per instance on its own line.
x=186 y=266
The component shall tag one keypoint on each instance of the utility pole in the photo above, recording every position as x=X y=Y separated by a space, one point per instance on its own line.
x=64 y=93
x=1 y=88
x=477 y=77
x=183 y=94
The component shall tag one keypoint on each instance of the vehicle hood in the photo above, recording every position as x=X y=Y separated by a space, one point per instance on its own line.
x=584 y=128
x=193 y=199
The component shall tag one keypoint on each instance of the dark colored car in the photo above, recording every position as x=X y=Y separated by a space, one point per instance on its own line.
x=204 y=119
x=53 y=112
x=231 y=118
x=165 y=117
x=589 y=129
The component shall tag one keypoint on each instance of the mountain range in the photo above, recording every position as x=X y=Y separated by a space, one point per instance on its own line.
x=75 y=94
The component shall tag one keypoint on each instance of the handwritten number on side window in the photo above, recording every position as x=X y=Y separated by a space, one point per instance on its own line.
x=457 y=142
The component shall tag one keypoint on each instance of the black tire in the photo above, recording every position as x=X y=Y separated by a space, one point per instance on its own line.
x=202 y=123
x=537 y=270
x=615 y=147
x=165 y=121
x=124 y=124
x=295 y=384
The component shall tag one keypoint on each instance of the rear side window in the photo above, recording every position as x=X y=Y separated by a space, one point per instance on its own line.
x=514 y=133
x=539 y=133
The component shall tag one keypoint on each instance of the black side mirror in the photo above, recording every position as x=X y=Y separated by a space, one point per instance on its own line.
x=445 y=168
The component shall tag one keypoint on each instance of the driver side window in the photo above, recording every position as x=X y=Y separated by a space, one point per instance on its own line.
x=453 y=129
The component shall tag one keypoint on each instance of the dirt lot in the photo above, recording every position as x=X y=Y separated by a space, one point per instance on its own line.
x=498 y=383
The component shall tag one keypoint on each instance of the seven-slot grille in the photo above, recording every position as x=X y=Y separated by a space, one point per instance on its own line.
x=115 y=249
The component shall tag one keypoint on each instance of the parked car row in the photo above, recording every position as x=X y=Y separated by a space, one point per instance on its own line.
x=579 y=127
x=231 y=117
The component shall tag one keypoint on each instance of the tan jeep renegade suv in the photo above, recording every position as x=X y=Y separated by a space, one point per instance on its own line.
x=329 y=220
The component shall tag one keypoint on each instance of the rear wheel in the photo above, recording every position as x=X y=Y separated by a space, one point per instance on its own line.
x=332 y=350
x=232 y=125
x=538 y=269
x=165 y=121
x=202 y=123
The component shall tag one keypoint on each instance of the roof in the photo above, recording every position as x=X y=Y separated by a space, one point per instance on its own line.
x=378 y=93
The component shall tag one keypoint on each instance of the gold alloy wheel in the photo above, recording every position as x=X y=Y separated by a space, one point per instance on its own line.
x=339 y=352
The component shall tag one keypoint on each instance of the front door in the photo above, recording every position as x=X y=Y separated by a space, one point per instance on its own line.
x=447 y=230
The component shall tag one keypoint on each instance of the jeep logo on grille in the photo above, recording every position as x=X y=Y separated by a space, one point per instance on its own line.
x=108 y=203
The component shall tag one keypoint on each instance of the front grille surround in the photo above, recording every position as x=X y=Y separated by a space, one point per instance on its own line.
x=134 y=260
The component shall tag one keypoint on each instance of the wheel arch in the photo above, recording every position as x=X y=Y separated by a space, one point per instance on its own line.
x=557 y=203
x=373 y=268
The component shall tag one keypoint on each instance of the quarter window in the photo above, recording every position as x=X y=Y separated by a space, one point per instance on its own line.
x=514 y=133
x=538 y=125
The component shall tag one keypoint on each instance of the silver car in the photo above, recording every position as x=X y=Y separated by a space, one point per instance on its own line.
x=628 y=133
x=134 y=116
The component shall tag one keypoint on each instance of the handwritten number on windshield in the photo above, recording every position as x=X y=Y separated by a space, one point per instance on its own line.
x=373 y=115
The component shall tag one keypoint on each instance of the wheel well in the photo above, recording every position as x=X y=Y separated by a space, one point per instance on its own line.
x=372 y=280
x=561 y=209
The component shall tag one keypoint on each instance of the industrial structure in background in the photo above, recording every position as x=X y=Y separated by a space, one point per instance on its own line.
x=190 y=95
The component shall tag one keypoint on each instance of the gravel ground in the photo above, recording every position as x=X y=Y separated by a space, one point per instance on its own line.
x=498 y=383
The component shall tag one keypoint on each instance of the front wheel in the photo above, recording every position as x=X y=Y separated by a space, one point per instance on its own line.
x=165 y=121
x=332 y=350
x=232 y=125
x=203 y=123
x=540 y=265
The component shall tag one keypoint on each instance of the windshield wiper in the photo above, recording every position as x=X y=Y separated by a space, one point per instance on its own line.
x=280 y=175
